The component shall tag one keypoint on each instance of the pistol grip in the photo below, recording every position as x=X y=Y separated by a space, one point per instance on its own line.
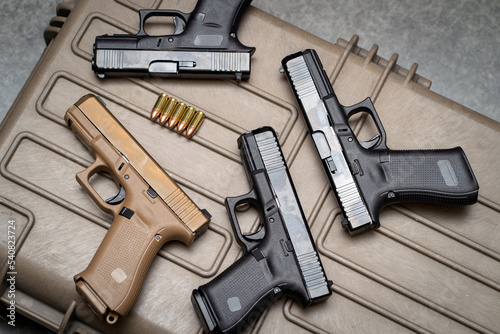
x=83 y=179
x=442 y=177
x=113 y=279
x=432 y=176
x=236 y=297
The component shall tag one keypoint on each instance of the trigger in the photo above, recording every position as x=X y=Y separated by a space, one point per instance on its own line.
x=257 y=236
x=370 y=143
x=179 y=27
x=118 y=198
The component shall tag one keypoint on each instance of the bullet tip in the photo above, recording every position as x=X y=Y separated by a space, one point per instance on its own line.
x=155 y=113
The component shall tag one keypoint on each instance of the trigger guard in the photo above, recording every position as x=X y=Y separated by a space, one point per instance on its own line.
x=367 y=106
x=247 y=241
x=178 y=16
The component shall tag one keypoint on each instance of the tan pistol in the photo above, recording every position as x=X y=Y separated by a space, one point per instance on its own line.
x=150 y=210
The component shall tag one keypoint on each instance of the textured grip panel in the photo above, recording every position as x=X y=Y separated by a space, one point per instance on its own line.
x=121 y=257
x=438 y=176
x=119 y=266
x=441 y=177
x=241 y=293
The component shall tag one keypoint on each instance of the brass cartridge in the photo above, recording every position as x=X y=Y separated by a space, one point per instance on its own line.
x=186 y=119
x=177 y=115
x=195 y=124
x=168 y=111
x=159 y=106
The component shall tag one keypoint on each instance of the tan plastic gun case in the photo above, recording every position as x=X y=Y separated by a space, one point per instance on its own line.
x=427 y=269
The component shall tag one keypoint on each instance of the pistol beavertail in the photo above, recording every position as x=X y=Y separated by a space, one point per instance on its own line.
x=367 y=175
x=149 y=210
x=279 y=259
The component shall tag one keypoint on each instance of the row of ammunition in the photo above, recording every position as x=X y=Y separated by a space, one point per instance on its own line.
x=172 y=113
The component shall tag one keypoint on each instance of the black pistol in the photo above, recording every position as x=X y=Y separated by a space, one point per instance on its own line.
x=366 y=176
x=279 y=259
x=203 y=45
